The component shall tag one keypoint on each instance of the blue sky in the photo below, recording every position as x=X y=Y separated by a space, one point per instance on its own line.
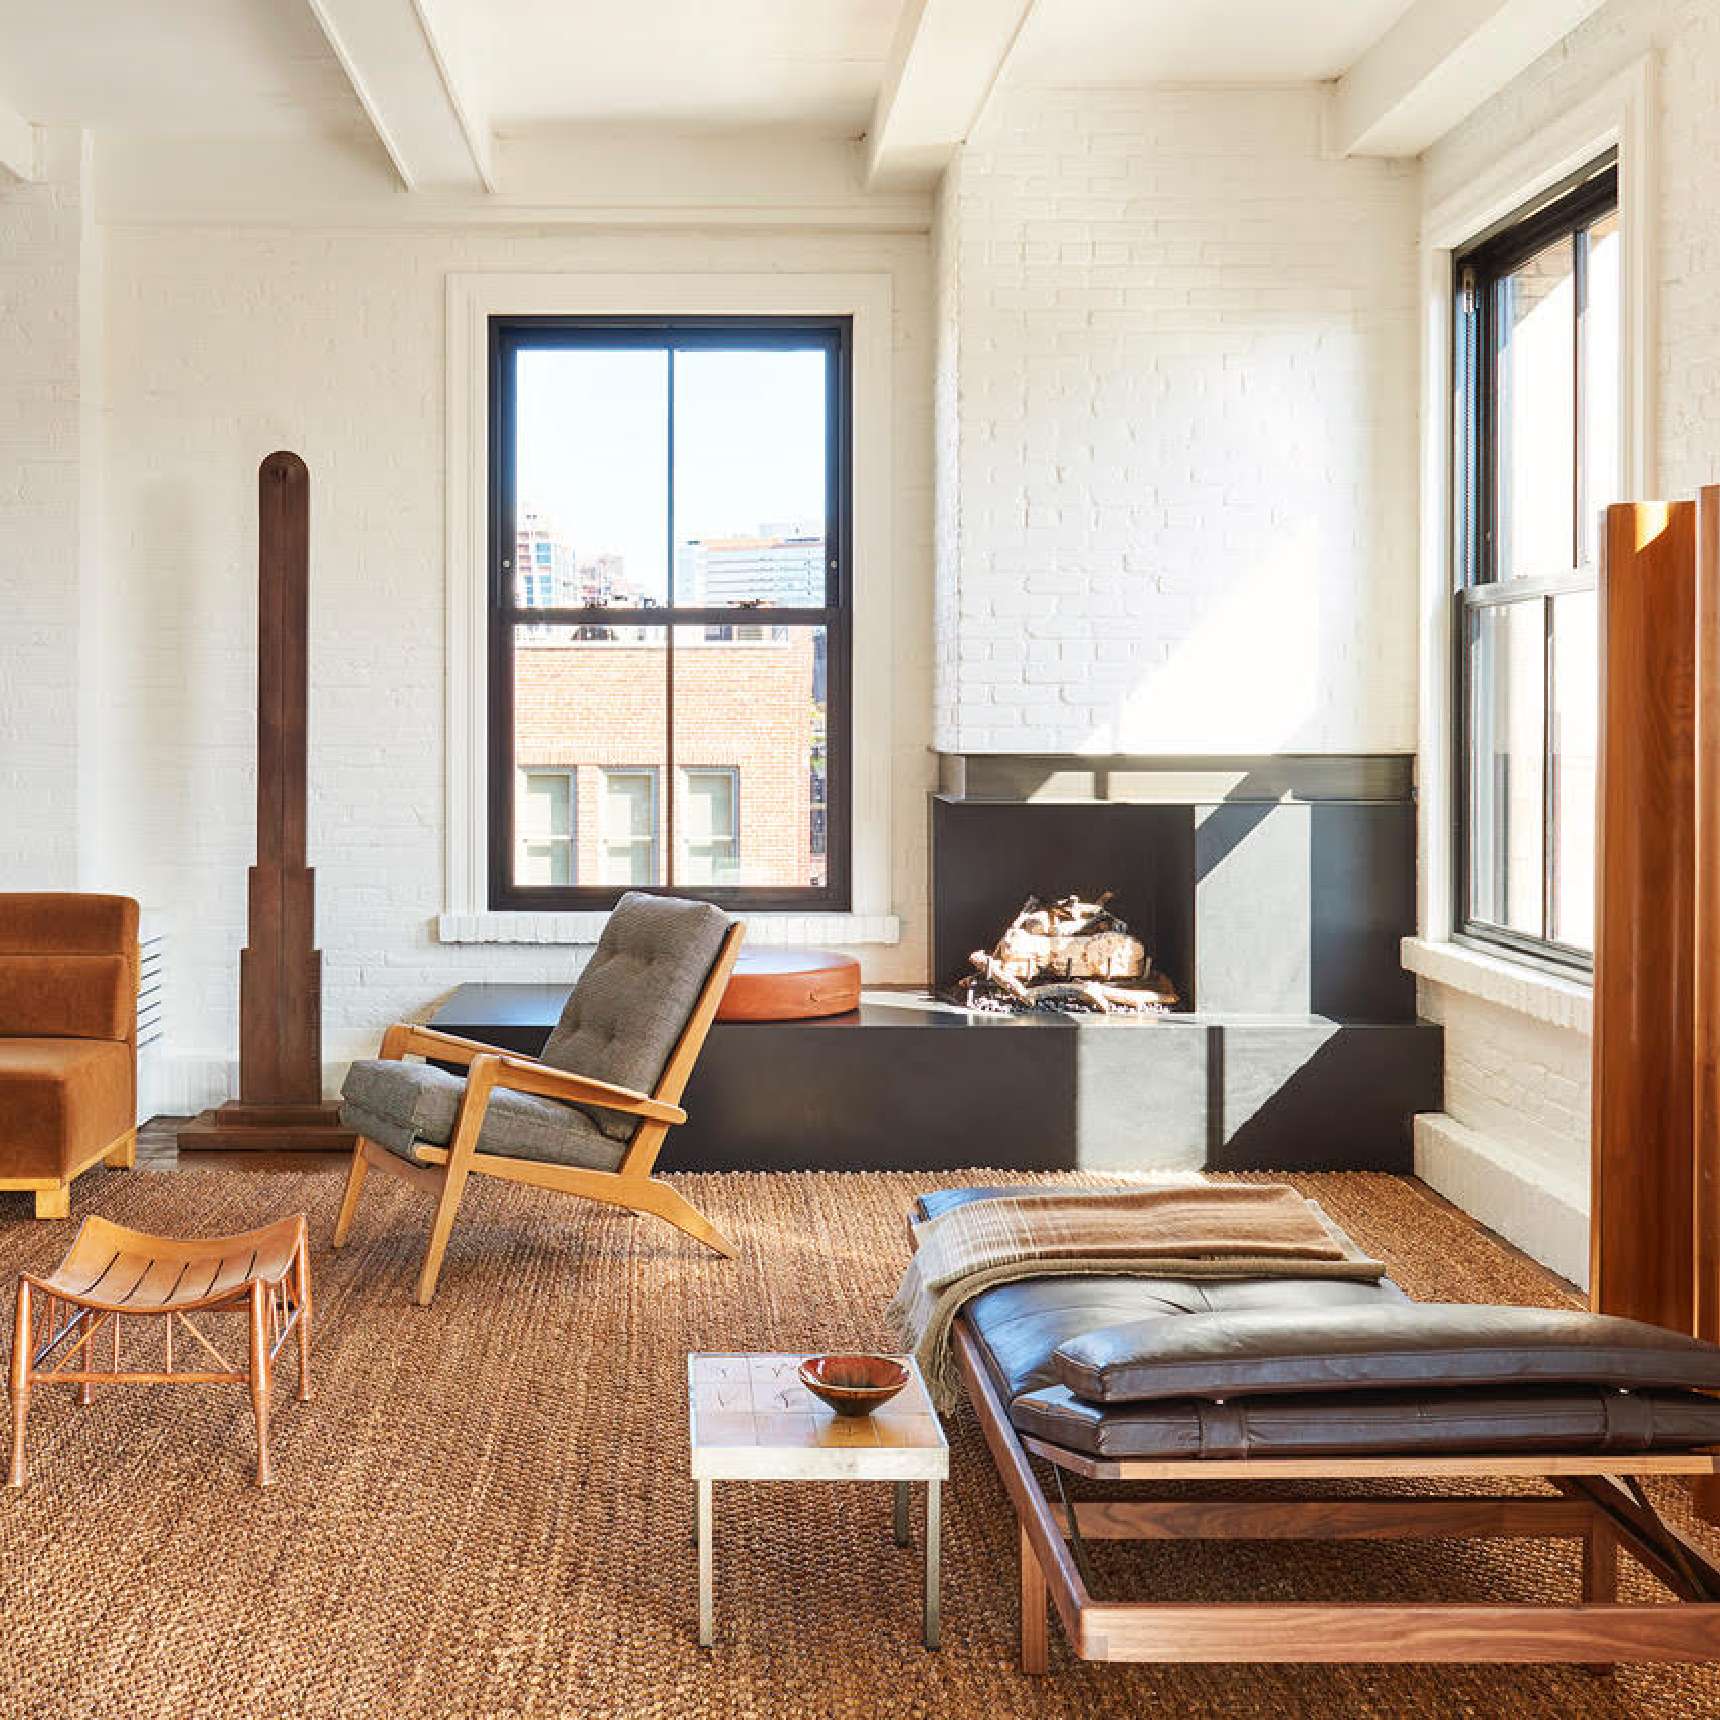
x=592 y=432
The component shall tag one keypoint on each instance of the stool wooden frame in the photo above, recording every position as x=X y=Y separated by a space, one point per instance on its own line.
x=444 y=1170
x=149 y=1286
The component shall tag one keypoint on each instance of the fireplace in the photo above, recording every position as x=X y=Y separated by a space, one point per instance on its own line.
x=1271 y=887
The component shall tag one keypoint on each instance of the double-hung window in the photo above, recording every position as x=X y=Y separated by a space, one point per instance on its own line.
x=1537 y=459
x=670 y=609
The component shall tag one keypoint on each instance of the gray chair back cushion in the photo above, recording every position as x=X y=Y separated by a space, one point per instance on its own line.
x=633 y=1000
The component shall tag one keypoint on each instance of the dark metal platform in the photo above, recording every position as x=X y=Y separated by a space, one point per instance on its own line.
x=903 y=1084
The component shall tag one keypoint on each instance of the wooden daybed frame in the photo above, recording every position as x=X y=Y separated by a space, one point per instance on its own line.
x=1600 y=1503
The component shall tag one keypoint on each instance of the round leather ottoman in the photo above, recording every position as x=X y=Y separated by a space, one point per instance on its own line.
x=790 y=985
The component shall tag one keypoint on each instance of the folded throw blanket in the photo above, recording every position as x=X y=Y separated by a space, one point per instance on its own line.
x=1234 y=1230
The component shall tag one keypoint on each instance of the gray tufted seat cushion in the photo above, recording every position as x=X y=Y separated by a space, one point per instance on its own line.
x=399 y=1105
x=633 y=1000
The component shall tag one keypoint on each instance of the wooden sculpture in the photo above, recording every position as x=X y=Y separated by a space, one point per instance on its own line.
x=280 y=1102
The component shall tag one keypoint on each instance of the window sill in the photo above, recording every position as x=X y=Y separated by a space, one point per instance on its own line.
x=1511 y=985
x=772 y=929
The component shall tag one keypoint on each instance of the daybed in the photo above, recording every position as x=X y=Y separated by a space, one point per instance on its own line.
x=1133 y=1379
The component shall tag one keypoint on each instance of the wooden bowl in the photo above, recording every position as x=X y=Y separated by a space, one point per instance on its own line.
x=853 y=1385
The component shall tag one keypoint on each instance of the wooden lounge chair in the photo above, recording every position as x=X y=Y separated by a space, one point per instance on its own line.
x=590 y=1117
x=1596 y=1498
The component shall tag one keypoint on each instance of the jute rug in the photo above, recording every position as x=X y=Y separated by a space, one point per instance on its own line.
x=485 y=1510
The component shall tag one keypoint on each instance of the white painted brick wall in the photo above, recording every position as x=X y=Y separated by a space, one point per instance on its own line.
x=1175 y=438
x=1521 y=1086
x=41 y=257
x=225 y=344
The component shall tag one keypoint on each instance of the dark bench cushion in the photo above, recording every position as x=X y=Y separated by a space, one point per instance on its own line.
x=1233 y=1352
x=1379 y=1423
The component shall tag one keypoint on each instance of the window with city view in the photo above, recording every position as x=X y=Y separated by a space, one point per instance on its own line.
x=669 y=610
x=1538 y=458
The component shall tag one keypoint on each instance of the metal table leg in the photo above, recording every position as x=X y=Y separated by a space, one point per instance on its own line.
x=934 y=1528
x=706 y=1599
x=904 y=1534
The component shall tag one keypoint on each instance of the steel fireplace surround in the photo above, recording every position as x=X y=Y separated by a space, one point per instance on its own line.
x=1273 y=892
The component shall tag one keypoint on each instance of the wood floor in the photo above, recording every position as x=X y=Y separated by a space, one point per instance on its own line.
x=158 y=1150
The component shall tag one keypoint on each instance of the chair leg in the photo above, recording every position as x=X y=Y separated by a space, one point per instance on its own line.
x=447 y=1204
x=354 y=1188
x=663 y=1202
x=122 y=1155
x=260 y=1381
x=302 y=1294
x=22 y=1337
x=54 y=1202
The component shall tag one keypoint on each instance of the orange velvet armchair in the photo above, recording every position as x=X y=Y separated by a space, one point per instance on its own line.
x=68 y=1041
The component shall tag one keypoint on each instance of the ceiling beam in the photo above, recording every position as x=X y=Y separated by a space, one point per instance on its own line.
x=1437 y=65
x=943 y=64
x=18 y=153
x=422 y=107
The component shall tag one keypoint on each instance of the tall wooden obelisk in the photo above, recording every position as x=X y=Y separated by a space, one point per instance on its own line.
x=280 y=1103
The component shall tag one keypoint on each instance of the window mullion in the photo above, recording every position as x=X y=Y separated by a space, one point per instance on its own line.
x=669 y=650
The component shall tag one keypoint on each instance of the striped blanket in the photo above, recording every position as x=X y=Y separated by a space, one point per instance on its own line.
x=1234 y=1230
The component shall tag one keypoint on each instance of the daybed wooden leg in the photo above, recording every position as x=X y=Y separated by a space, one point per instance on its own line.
x=349 y=1201
x=22 y=1338
x=260 y=1381
x=55 y=1202
x=122 y=1155
x=1034 y=1646
x=1600 y=1565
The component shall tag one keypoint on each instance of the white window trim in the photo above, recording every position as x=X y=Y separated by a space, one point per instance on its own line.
x=1620 y=114
x=472 y=299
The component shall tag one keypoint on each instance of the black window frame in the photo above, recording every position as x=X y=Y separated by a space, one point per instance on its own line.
x=1567 y=209
x=508 y=335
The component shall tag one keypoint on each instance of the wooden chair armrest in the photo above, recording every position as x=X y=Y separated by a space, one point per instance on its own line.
x=413 y=1039
x=526 y=1076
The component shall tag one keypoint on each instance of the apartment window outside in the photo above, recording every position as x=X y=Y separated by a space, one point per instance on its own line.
x=711 y=824
x=1537 y=387
x=629 y=827
x=670 y=608
x=546 y=801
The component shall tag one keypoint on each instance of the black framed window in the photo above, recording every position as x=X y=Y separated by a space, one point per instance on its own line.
x=670 y=610
x=1538 y=457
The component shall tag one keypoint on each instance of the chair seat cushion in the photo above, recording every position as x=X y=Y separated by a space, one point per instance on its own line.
x=61 y=1102
x=1234 y=1352
x=1435 y=1422
x=402 y=1105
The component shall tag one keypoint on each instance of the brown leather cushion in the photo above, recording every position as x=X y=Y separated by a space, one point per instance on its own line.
x=790 y=985
x=1436 y=1422
x=1236 y=1353
x=61 y=1100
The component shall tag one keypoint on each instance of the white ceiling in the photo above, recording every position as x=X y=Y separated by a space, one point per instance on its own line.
x=197 y=68
x=814 y=64
x=1197 y=41
x=263 y=68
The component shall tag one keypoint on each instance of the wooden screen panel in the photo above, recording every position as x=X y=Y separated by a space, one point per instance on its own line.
x=1643 y=1218
x=1706 y=1168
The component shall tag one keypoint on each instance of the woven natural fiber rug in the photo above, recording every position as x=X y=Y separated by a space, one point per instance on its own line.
x=486 y=1510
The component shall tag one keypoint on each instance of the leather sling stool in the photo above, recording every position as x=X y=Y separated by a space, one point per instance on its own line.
x=1160 y=1382
x=120 y=1290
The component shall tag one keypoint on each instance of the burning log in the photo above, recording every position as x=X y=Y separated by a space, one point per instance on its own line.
x=1069 y=955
